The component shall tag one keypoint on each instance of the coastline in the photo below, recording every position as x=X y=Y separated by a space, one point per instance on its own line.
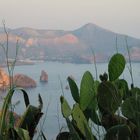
x=19 y=63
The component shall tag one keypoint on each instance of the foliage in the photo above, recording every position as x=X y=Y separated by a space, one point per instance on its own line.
x=20 y=127
x=25 y=127
x=108 y=103
x=116 y=66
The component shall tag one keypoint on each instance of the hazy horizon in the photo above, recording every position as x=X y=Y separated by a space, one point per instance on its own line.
x=116 y=15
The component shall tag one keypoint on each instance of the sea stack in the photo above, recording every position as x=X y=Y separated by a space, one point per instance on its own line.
x=44 y=76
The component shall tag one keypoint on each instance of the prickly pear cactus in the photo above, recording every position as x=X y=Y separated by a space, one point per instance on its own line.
x=131 y=108
x=108 y=97
x=118 y=132
x=123 y=88
x=74 y=89
x=86 y=90
x=81 y=122
x=65 y=108
x=116 y=66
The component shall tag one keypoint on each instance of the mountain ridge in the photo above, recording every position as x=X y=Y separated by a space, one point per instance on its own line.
x=70 y=46
x=62 y=30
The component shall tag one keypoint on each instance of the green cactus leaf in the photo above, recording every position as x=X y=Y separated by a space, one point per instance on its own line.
x=22 y=134
x=90 y=111
x=92 y=114
x=116 y=66
x=88 y=133
x=7 y=101
x=65 y=108
x=40 y=102
x=122 y=85
x=81 y=121
x=93 y=104
x=108 y=97
x=131 y=108
x=30 y=119
x=64 y=136
x=26 y=98
x=95 y=117
x=135 y=91
x=86 y=90
x=74 y=89
x=120 y=132
x=95 y=86
x=72 y=130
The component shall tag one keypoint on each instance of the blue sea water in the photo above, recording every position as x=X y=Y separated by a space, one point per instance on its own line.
x=52 y=120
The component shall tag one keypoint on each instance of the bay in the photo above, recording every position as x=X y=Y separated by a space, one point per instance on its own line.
x=52 y=120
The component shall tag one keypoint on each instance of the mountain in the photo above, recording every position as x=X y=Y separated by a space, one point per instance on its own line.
x=102 y=40
x=69 y=46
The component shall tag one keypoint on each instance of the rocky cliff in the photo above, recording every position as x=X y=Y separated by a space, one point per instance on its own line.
x=24 y=81
x=4 y=79
x=19 y=80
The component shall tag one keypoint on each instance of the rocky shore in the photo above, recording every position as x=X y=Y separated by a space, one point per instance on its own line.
x=4 y=79
x=24 y=81
x=19 y=80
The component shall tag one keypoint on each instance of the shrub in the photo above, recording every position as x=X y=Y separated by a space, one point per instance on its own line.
x=108 y=103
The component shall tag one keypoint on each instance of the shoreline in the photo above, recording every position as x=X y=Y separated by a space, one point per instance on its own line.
x=30 y=62
x=18 y=63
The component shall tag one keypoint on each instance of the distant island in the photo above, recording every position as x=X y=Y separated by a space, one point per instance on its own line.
x=75 y=46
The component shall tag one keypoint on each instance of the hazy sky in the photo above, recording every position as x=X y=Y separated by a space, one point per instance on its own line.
x=121 y=16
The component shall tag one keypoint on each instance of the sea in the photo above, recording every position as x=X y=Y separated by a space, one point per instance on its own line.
x=52 y=121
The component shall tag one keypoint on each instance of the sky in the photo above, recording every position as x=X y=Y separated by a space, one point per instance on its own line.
x=121 y=16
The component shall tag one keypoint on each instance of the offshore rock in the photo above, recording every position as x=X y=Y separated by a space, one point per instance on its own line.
x=44 y=76
x=21 y=80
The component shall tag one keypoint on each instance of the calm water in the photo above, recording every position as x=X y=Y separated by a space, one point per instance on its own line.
x=51 y=92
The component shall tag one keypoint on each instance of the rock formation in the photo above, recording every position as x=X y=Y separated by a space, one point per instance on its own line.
x=44 y=76
x=19 y=80
x=4 y=79
x=24 y=81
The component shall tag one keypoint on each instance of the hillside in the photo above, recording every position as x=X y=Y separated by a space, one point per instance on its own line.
x=68 y=46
